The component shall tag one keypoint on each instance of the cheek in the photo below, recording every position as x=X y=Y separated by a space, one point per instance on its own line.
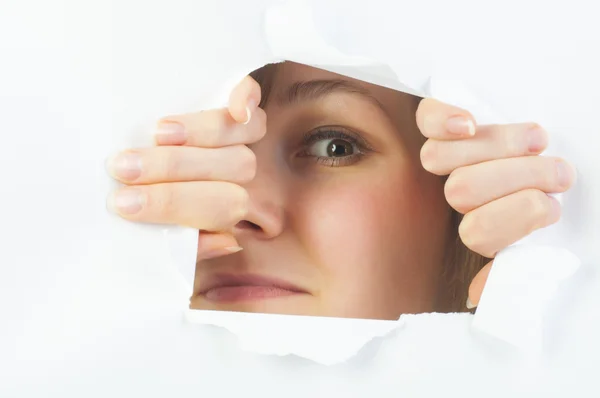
x=354 y=217
x=344 y=222
x=371 y=233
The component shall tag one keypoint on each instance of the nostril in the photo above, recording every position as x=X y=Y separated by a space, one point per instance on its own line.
x=248 y=225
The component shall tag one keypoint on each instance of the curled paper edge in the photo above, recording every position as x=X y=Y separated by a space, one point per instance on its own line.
x=521 y=284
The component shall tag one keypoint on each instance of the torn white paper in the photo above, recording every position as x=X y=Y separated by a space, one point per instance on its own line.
x=292 y=35
x=93 y=306
x=523 y=282
x=327 y=341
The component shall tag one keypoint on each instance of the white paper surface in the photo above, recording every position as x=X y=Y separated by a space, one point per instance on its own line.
x=92 y=306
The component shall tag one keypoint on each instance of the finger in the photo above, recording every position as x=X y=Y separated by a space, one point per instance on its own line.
x=244 y=100
x=444 y=122
x=501 y=223
x=215 y=244
x=470 y=187
x=212 y=206
x=210 y=129
x=158 y=164
x=477 y=285
x=491 y=142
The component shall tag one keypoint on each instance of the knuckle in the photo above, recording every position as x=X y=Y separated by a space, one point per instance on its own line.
x=536 y=204
x=428 y=155
x=246 y=159
x=542 y=172
x=170 y=165
x=423 y=110
x=160 y=202
x=472 y=231
x=228 y=205
x=212 y=126
x=239 y=202
x=258 y=129
x=236 y=200
x=457 y=190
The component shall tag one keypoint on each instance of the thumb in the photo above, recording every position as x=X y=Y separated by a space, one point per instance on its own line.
x=215 y=244
x=477 y=285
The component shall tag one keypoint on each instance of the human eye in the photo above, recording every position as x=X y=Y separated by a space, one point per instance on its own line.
x=334 y=146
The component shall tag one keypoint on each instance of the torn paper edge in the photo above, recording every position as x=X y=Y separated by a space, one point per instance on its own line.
x=325 y=340
x=521 y=284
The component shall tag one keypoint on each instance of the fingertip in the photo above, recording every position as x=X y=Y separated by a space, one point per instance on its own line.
x=216 y=244
x=470 y=304
x=170 y=131
x=220 y=252
x=251 y=107
x=126 y=202
x=477 y=285
x=566 y=174
x=439 y=120
x=555 y=210
x=537 y=139
x=244 y=100
x=461 y=126
x=233 y=249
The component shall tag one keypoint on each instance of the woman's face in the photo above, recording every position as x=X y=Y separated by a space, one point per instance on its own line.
x=344 y=221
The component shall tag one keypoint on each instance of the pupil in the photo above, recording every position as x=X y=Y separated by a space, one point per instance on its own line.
x=339 y=148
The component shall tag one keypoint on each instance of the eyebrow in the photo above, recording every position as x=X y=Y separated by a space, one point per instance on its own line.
x=313 y=90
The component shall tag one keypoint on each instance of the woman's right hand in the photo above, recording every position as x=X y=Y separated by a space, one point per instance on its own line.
x=192 y=176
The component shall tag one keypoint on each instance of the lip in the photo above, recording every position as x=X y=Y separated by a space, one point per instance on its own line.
x=247 y=287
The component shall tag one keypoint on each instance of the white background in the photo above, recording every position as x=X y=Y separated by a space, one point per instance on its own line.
x=89 y=306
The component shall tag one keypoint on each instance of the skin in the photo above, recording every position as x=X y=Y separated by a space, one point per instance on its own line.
x=367 y=238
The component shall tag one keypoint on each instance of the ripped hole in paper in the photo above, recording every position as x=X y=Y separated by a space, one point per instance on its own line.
x=344 y=221
x=290 y=239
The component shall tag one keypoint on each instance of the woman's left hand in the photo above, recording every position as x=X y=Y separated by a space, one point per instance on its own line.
x=495 y=178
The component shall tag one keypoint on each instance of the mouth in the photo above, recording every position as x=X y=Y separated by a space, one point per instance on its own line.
x=228 y=288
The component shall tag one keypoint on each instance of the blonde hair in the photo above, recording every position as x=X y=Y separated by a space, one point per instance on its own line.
x=462 y=264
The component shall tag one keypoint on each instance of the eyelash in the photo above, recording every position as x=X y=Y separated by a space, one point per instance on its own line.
x=328 y=133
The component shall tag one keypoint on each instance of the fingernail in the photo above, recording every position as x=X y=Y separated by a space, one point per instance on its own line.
x=555 y=211
x=125 y=166
x=537 y=140
x=565 y=173
x=460 y=125
x=220 y=252
x=470 y=305
x=170 y=133
x=127 y=201
x=250 y=108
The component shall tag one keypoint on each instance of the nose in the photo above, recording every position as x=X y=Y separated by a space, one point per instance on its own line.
x=264 y=221
x=266 y=215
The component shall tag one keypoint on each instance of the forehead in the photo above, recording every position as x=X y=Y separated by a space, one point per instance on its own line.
x=292 y=81
x=291 y=72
